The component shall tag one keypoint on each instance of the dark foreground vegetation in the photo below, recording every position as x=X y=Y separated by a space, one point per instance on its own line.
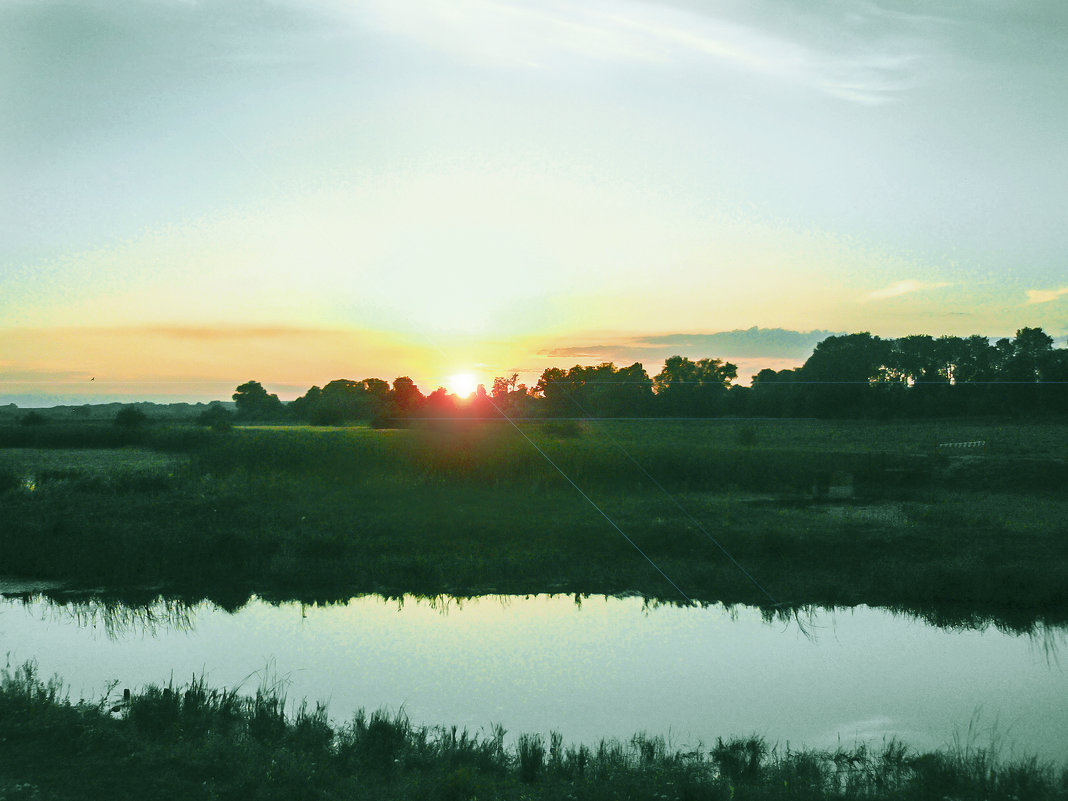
x=196 y=742
x=816 y=512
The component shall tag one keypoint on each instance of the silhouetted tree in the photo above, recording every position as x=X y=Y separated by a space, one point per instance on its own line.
x=1022 y=362
x=776 y=393
x=847 y=375
x=343 y=399
x=254 y=402
x=440 y=403
x=1029 y=354
x=481 y=404
x=511 y=398
x=596 y=391
x=406 y=397
x=686 y=388
x=502 y=386
x=217 y=416
x=304 y=407
x=839 y=373
x=974 y=360
x=553 y=389
x=130 y=417
x=633 y=396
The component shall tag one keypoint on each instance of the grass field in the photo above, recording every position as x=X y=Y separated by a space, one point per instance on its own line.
x=962 y=538
x=477 y=507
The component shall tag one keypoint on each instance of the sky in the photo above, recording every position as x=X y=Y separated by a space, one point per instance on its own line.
x=196 y=193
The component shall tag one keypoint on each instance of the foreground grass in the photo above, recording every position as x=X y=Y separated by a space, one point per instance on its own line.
x=476 y=509
x=197 y=742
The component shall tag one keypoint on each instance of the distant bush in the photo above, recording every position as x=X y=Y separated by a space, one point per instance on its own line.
x=330 y=416
x=67 y=435
x=217 y=417
x=386 y=420
x=33 y=419
x=747 y=436
x=563 y=428
x=130 y=417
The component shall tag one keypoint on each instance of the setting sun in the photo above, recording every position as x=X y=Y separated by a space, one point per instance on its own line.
x=462 y=384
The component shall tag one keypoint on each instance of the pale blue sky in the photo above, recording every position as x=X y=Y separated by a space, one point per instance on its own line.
x=430 y=187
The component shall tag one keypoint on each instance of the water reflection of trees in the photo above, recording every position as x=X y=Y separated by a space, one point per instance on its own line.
x=807 y=617
x=1049 y=638
x=118 y=619
x=122 y=616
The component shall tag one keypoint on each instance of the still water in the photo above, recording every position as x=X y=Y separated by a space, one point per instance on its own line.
x=605 y=667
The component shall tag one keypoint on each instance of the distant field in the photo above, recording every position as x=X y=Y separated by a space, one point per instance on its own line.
x=476 y=507
x=921 y=437
x=101 y=461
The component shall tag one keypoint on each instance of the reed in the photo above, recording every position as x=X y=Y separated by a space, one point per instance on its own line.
x=194 y=741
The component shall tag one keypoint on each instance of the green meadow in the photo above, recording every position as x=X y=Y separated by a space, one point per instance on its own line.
x=777 y=514
x=772 y=513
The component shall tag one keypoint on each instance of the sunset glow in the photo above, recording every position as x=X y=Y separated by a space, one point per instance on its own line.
x=462 y=384
x=320 y=190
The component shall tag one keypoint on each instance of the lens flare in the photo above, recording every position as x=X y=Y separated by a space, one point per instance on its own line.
x=462 y=384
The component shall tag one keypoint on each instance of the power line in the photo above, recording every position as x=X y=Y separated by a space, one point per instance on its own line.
x=686 y=512
x=592 y=503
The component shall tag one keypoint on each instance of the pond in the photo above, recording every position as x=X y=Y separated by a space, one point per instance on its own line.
x=587 y=668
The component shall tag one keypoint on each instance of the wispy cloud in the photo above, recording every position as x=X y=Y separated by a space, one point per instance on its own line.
x=1045 y=295
x=750 y=343
x=905 y=287
x=751 y=349
x=862 y=68
x=219 y=332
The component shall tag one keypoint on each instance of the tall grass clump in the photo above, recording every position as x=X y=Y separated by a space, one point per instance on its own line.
x=378 y=742
x=530 y=750
x=22 y=691
x=192 y=742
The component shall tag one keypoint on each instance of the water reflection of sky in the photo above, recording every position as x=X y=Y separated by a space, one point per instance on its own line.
x=610 y=667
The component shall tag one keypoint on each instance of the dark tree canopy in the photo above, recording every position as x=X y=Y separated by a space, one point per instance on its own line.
x=130 y=417
x=850 y=375
x=598 y=391
x=405 y=397
x=254 y=402
x=686 y=388
x=217 y=417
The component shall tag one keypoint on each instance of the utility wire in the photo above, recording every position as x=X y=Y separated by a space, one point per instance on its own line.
x=578 y=489
x=675 y=501
x=592 y=503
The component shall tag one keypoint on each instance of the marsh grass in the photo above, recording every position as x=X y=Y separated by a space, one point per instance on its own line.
x=84 y=435
x=472 y=507
x=194 y=741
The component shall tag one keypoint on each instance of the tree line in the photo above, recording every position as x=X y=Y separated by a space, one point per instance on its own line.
x=852 y=375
